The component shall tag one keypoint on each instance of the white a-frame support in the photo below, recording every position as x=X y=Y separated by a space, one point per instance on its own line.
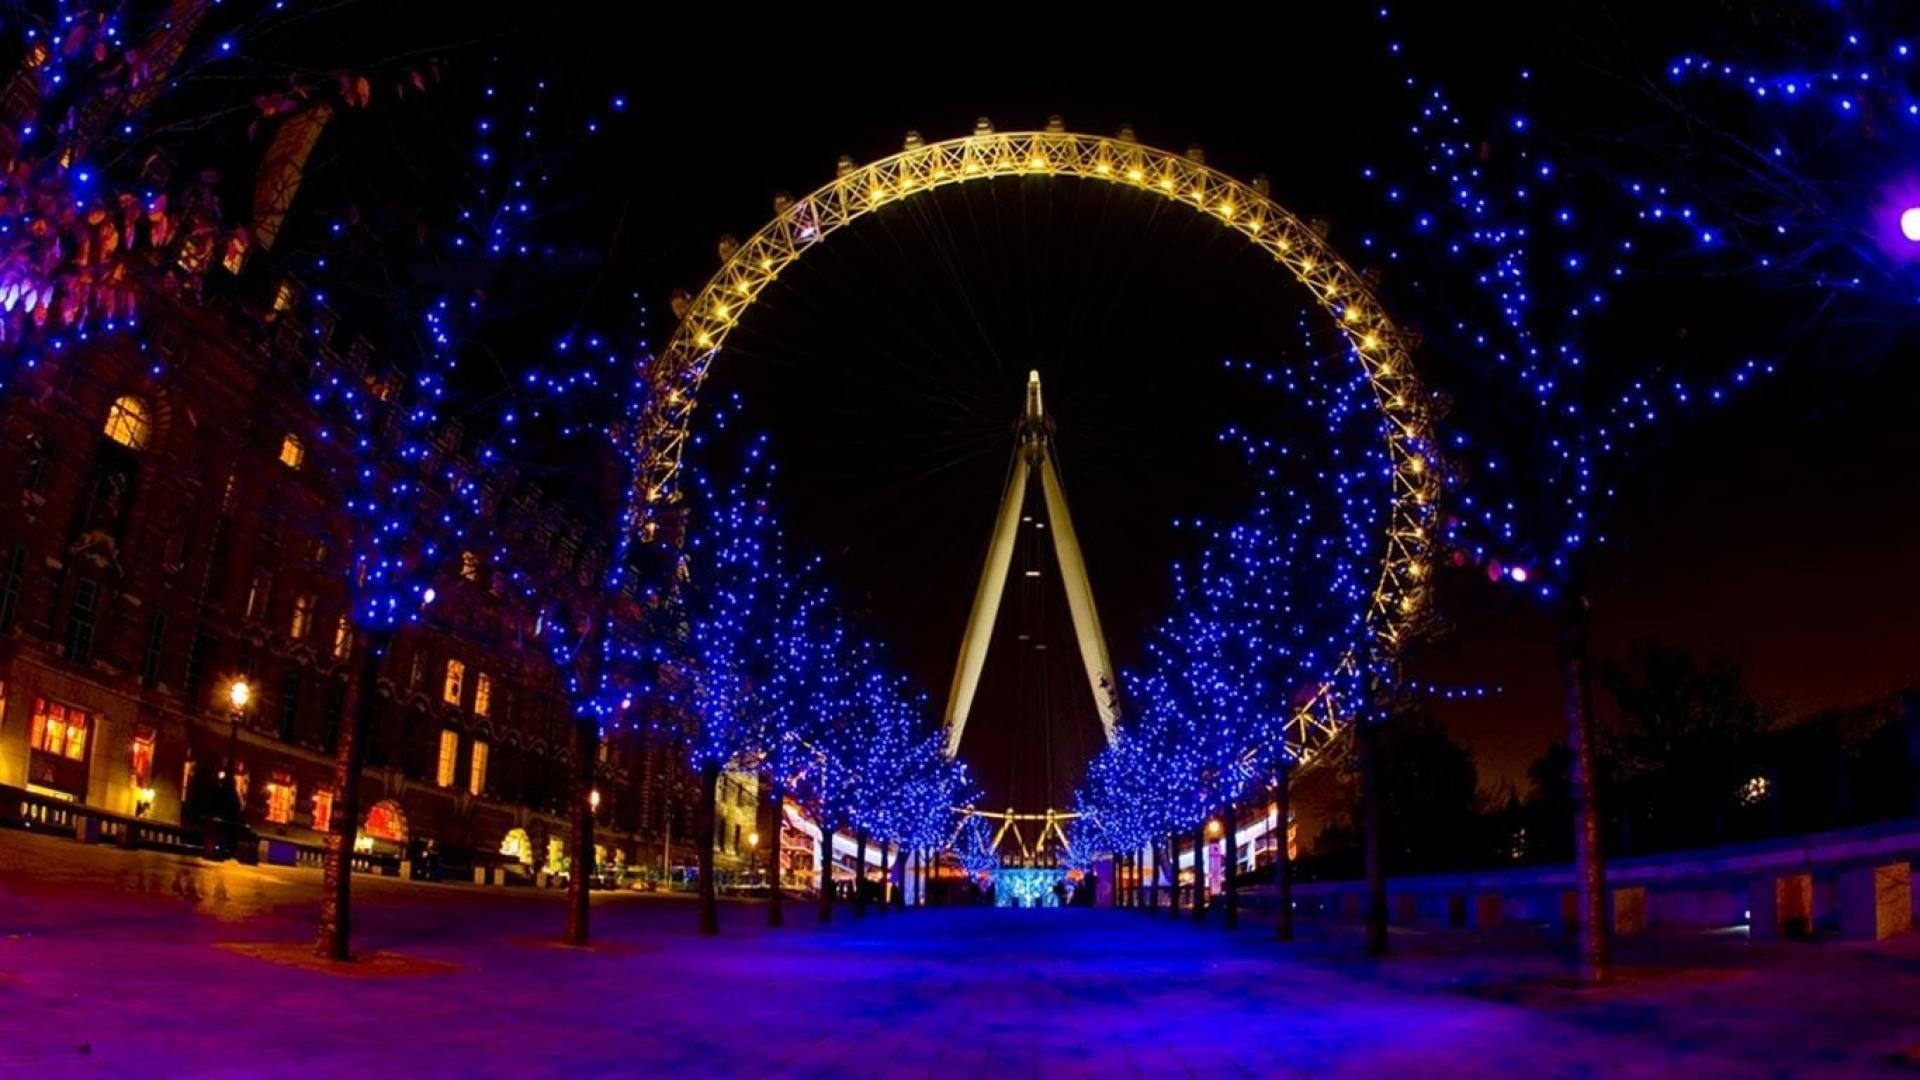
x=1035 y=454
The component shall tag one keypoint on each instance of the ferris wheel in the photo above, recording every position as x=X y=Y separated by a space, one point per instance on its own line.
x=1400 y=594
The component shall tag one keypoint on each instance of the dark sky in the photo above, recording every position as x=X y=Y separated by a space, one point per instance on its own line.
x=889 y=366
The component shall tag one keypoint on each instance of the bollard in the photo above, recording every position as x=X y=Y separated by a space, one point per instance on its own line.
x=1876 y=902
x=1487 y=910
x=1630 y=910
x=1779 y=908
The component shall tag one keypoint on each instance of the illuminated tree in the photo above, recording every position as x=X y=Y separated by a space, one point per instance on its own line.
x=1799 y=127
x=737 y=590
x=418 y=491
x=101 y=204
x=1269 y=614
x=1545 y=282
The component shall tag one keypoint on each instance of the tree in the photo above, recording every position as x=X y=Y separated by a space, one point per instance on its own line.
x=419 y=493
x=737 y=597
x=1271 y=624
x=1543 y=282
x=1689 y=737
x=1798 y=127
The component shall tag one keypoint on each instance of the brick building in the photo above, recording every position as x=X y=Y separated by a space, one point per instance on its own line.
x=175 y=531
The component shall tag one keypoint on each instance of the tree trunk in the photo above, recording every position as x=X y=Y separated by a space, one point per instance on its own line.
x=860 y=875
x=1375 y=840
x=334 y=939
x=1590 y=869
x=1200 y=870
x=776 y=906
x=586 y=748
x=1283 y=858
x=1229 y=863
x=826 y=872
x=886 y=879
x=1173 y=875
x=1155 y=862
x=709 y=815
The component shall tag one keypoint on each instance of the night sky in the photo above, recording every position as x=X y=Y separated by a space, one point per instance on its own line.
x=889 y=366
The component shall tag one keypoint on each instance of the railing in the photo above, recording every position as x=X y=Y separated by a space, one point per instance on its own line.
x=1711 y=887
x=21 y=808
x=34 y=812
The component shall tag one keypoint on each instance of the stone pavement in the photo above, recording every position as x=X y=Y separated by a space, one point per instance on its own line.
x=153 y=965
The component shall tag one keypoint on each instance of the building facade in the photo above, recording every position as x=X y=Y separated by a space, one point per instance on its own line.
x=174 y=530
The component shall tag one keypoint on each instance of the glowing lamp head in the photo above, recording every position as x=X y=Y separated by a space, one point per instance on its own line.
x=239 y=693
x=1518 y=574
x=1910 y=224
x=593 y=798
x=753 y=839
x=1213 y=827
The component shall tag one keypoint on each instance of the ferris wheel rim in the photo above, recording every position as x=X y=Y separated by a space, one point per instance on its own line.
x=1401 y=593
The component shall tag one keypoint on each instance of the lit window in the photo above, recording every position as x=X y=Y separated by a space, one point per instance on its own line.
x=280 y=799
x=342 y=638
x=142 y=764
x=302 y=617
x=477 y=771
x=469 y=566
x=323 y=810
x=258 y=591
x=242 y=782
x=128 y=423
x=386 y=821
x=456 y=682
x=482 y=694
x=449 y=754
x=283 y=296
x=516 y=845
x=60 y=730
x=293 y=452
x=234 y=256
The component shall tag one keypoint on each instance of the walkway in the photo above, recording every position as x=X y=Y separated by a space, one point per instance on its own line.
x=111 y=964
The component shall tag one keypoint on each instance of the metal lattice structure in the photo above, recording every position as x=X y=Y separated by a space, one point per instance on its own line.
x=1401 y=595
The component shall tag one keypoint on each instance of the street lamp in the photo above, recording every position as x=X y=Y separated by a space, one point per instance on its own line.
x=238 y=695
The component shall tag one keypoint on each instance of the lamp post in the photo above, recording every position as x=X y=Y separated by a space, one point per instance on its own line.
x=238 y=695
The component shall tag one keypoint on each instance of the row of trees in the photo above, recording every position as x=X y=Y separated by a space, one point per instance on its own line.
x=434 y=454
x=784 y=687
x=1268 y=630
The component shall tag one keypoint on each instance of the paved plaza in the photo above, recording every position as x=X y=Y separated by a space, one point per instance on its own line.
x=115 y=963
